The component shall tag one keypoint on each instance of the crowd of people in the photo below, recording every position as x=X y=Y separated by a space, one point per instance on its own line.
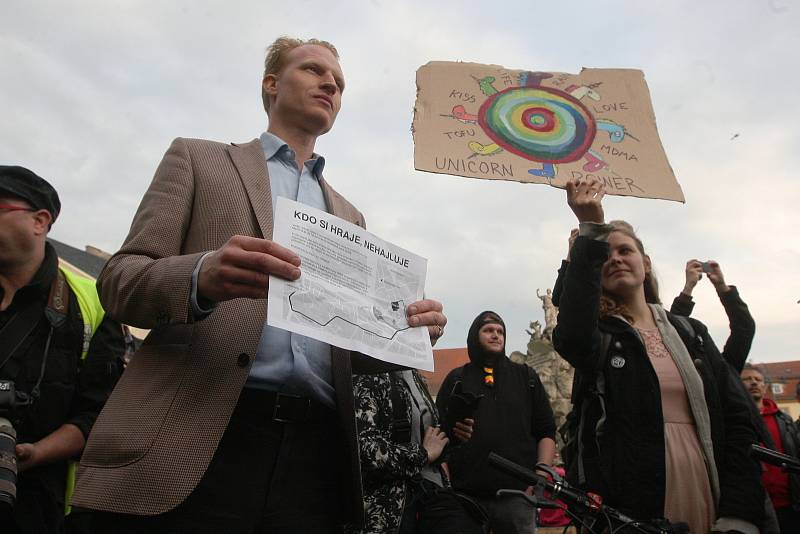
x=223 y=423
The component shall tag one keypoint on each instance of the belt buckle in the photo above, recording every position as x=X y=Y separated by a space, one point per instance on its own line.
x=294 y=398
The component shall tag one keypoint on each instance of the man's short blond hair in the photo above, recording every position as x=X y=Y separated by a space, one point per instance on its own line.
x=276 y=57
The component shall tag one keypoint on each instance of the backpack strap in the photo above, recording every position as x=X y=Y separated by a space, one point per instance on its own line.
x=458 y=384
x=685 y=328
x=605 y=342
x=533 y=379
x=579 y=443
x=584 y=383
x=600 y=378
x=596 y=390
x=457 y=373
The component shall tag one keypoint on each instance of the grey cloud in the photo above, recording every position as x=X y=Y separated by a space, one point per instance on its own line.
x=94 y=93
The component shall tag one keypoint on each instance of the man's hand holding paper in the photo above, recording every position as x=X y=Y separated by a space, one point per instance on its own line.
x=242 y=267
x=428 y=313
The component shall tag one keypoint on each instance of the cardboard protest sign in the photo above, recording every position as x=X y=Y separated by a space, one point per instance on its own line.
x=486 y=121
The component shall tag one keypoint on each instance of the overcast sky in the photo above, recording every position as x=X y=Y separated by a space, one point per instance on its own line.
x=92 y=93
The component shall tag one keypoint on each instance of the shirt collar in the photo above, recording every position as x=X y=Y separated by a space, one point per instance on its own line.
x=275 y=147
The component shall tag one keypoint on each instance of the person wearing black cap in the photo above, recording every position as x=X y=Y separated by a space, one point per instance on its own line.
x=60 y=352
x=512 y=417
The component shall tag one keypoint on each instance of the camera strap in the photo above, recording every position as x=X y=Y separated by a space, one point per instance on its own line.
x=58 y=301
x=56 y=314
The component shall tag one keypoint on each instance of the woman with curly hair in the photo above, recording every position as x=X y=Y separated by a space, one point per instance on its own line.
x=667 y=434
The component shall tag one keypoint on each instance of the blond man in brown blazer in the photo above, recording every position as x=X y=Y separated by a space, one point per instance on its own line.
x=198 y=436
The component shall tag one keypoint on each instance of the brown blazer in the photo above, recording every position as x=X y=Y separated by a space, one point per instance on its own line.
x=159 y=429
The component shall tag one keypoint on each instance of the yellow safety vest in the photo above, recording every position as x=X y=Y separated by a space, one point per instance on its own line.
x=92 y=313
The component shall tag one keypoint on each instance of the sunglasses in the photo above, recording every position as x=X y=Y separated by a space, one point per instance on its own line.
x=11 y=207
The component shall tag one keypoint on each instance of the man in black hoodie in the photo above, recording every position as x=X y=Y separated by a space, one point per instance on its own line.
x=512 y=417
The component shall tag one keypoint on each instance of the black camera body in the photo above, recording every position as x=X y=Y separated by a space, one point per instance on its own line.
x=10 y=402
x=8 y=397
x=13 y=402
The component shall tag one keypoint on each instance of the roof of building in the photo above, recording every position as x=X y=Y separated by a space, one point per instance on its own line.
x=89 y=263
x=444 y=361
x=781 y=369
x=783 y=377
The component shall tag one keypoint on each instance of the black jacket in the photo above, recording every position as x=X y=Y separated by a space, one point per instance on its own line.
x=72 y=390
x=742 y=325
x=558 y=286
x=790 y=440
x=625 y=461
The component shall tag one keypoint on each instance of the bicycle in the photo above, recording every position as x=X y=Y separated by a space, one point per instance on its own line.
x=586 y=509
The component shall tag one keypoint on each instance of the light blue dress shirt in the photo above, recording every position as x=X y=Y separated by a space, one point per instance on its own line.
x=288 y=362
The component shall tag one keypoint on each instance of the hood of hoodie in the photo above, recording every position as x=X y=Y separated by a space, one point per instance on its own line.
x=769 y=407
x=477 y=354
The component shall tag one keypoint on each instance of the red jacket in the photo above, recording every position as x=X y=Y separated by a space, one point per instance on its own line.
x=775 y=480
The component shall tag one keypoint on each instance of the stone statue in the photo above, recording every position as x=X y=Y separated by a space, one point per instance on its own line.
x=550 y=310
x=537 y=330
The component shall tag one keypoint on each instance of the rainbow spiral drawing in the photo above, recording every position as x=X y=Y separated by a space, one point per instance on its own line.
x=538 y=123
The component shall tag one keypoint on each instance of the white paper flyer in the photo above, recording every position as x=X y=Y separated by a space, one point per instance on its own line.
x=353 y=290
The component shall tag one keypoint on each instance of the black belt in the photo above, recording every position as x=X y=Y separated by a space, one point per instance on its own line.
x=283 y=408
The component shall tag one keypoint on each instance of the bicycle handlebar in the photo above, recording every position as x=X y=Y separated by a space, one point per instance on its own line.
x=580 y=501
x=558 y=489
x=784 y=461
